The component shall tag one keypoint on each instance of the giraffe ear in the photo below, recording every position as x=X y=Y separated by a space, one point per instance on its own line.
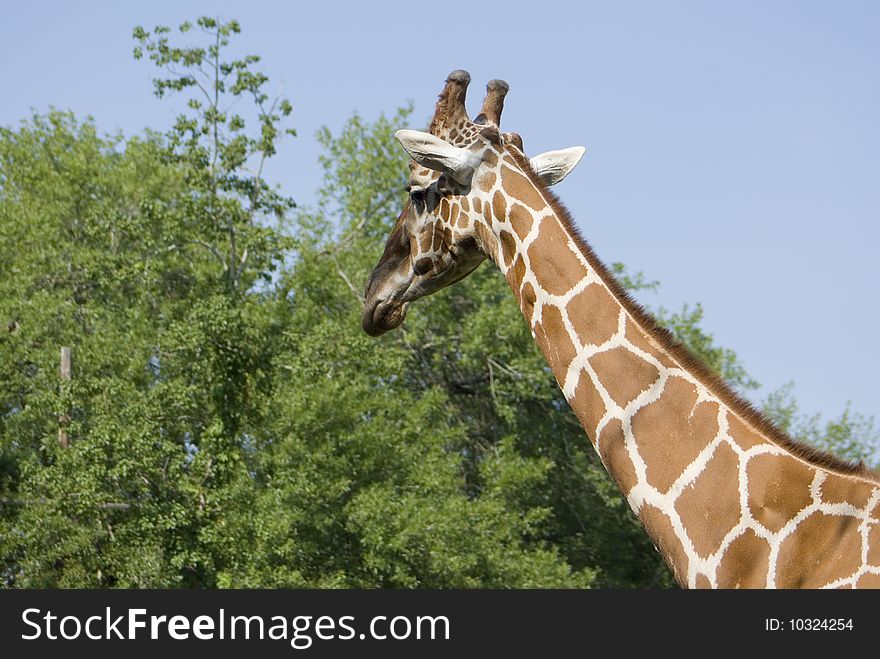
x=553 y=166
x=432 y=152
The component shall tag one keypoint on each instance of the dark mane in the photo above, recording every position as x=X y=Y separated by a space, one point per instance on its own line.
x=688 y=361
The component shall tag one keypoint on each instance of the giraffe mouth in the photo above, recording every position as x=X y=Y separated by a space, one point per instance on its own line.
x=383 y=316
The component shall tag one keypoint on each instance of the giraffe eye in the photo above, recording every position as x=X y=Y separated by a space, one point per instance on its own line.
x=416 y=194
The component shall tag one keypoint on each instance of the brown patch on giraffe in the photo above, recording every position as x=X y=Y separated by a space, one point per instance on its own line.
x=640 y=339
x=443 y=211
x=487 y=182
x=447 y=235
x=527 y=302
x=515 y=275
x=463 y=220
x=553 y=339
x=668 y=447
x=839 y=489
x=594 y=313
x=744 y=436
x=703 y=582
x=499 y=206
x=508 y=247
x=521 y=220
x=587 y=404
x=478 y=205
x=663 y=534
x=623 y=374
x=487 y=213
x=490 y=158
x=779 y=488
x=426 y=240
x=868 y=580
x=465 y=205
x=744 y=563
x=709 y=507
x=874 y=545
x=612 y=449
x=520 y=188
x=438 y=239
x=559 y=274
x=822 y=549
x=453 y=213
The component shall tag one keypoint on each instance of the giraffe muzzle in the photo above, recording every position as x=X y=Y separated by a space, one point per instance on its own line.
x=383 y=316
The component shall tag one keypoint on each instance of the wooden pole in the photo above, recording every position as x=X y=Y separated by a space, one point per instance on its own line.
x=63 y=419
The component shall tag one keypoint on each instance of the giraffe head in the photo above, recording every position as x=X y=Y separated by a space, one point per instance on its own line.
x=445 y=228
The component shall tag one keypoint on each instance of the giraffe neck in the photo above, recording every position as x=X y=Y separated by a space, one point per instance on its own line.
x=724 y=504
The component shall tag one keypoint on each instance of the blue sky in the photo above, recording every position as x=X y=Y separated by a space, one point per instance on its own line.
x=733 y=149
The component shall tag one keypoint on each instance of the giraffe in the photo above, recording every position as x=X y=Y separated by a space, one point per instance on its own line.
x=727 y=499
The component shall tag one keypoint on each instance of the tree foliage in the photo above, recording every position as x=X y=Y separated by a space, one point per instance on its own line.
x=230 y=424
x=221 y=159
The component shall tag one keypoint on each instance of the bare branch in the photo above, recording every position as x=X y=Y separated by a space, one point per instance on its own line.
x=358 y=295
x=368 y=214
x=213 y=251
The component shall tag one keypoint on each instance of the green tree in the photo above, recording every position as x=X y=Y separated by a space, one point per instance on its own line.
x=220 y=157
x=142 y=256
